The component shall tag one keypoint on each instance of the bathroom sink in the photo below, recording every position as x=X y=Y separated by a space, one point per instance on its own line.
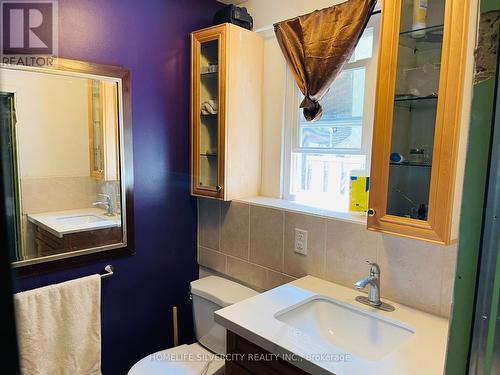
x=353 y=330
x=80 y=219
x=61 y=223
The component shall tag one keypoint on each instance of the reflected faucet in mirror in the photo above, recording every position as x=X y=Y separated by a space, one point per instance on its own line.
x=107 y=204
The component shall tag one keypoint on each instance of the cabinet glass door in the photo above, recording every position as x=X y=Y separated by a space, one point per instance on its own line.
x=415 y=108
x=208 y=113
x=96 y=124
x=421 y=103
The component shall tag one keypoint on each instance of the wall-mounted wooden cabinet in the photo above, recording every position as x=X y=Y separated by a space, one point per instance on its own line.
x=417 y=120
x=226 y=112
x=96 y=129
x=103 y=130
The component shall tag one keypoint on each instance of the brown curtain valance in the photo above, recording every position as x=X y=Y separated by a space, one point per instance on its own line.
x=317 y=45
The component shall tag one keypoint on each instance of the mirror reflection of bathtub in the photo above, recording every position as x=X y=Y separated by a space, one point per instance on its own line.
x=65 y=135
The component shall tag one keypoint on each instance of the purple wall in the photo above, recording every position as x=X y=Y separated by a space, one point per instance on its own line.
x=151 y=38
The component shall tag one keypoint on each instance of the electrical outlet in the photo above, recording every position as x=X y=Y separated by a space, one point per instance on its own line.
x=300 y=241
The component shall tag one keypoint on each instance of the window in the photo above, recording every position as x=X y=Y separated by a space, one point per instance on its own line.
x=321 y=156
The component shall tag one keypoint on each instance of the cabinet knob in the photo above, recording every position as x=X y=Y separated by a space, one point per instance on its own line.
x=218 y=188
x=371 y=212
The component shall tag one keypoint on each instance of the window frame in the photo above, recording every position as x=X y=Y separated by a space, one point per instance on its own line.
x=291 y=127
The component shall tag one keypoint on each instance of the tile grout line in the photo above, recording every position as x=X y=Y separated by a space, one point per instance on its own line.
x=219 y=223
x=379 y=248
x=440 y=301
x=209 y=248
x=323 y=268
x=249 y=233
x=283 y=242
x=261 y=266
x=198 y=232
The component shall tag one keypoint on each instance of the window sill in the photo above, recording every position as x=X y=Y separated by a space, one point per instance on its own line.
x=303 y=209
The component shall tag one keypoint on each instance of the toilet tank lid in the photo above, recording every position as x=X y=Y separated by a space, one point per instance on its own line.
x=221 y=291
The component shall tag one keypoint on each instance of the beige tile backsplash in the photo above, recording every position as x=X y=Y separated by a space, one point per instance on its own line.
x=212 y=259
x=209 y=228
x=348 y=248
x=266 y=237
x=254 y=244
x=234 y=229
x=46 y=194
x=298 y=265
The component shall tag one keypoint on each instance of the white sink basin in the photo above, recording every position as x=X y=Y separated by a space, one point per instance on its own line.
x=60 y=223
x=80 y=219
x=353 y=330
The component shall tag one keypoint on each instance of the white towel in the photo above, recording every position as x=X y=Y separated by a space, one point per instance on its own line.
x=209 y=107
x=59 y=328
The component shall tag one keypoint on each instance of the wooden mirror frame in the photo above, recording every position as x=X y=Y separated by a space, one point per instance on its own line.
x=77 y=258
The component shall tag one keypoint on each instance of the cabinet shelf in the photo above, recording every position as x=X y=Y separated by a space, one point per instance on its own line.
x=406 y=98
x=428 y=28
x=209 y=155
x=433 y=38
x=414 y=102
x=206 y=72
x=412 y=164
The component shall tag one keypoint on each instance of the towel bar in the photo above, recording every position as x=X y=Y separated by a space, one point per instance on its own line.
x=109 y=271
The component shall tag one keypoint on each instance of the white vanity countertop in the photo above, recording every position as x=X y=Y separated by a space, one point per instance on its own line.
x=253 y=319
x=60 y=223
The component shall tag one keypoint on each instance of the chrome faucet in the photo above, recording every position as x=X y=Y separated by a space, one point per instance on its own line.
x=373 y=281
x=107 y=204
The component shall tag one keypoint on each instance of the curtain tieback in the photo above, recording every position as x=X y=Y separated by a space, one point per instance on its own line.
x=312 y=109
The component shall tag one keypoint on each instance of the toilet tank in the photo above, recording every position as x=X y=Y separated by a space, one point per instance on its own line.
x=209 y=295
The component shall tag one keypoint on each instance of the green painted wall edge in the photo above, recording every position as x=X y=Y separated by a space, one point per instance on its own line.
x=473 y=202
x=490 y=346
x=471 y=223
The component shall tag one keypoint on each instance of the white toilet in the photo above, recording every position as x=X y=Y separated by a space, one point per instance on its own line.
x=209 y=295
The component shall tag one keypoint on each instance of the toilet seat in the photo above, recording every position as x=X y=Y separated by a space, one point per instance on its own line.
x=182 y=360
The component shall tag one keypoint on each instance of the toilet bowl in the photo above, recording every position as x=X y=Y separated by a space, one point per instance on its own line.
x=205 y=356
x=181 y=360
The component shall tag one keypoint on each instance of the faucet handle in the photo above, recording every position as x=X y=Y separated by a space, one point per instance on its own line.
x=105 y=196
x=374 y=268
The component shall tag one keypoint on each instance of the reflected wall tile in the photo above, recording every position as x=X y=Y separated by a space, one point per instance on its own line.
x=46 y=194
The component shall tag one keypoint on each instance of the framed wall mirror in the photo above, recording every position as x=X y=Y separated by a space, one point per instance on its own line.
x=66 y=162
